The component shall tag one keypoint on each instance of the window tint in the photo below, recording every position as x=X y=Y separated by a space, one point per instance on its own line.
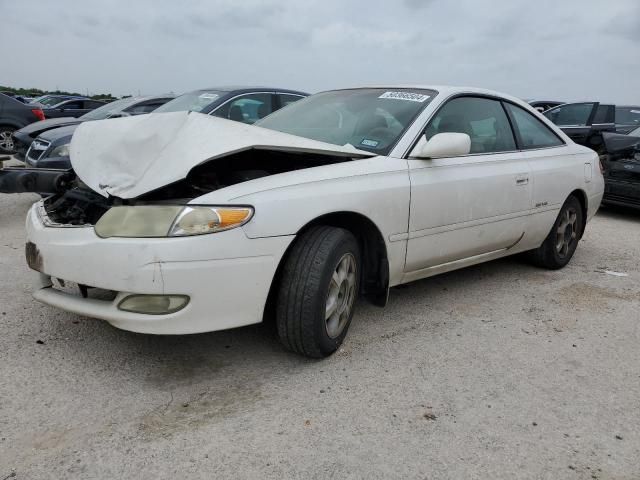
x=92 y=104
x=604 y=114
x=533 y=133
x=247 y=109
x=286 y=99
x=484 y=120
x=628 y=115
x=573 y=114
x=71 y=105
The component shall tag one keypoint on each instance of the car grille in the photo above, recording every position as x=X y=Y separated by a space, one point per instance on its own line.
x=37 y=149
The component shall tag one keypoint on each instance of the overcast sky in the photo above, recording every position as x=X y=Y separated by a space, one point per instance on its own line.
x=559 y=49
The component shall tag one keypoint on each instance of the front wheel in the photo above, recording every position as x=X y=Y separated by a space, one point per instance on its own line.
x=561 y=243
x=7 y=146
x=318 y=290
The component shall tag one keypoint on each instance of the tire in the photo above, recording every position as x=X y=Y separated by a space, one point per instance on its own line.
x=562 y=241
x=321 y=270
x=6 y=142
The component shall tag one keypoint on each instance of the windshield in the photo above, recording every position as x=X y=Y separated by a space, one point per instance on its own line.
x=107 y=110
x=51 y=101
x=371 y=119
x=197 y=101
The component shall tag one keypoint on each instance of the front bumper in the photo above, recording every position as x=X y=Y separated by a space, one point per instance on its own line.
x=226 y=275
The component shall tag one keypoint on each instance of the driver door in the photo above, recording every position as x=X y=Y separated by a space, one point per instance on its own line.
x=470 y=205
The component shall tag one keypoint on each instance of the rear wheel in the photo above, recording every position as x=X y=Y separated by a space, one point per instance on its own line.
x=317 y=292
x=561 y=243
x=6 y=140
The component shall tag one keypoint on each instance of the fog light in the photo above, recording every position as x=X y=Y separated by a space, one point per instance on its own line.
x=153 y=304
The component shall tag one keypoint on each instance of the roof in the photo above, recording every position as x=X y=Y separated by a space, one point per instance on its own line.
x=235 y=88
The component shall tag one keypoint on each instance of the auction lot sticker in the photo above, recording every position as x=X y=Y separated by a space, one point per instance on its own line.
x=412 y=97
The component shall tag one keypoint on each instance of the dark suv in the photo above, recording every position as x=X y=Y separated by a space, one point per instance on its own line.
x=586 y=121
x=14 y=115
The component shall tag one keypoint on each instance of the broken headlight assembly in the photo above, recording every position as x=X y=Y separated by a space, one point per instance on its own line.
x=169 y=221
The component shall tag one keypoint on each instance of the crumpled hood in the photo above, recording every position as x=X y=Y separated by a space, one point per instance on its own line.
x=127 y=157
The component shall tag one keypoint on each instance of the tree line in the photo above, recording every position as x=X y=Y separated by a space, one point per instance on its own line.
x=36 y=92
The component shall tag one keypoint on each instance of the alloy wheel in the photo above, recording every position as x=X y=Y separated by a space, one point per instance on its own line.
x=566 y=234
x=341 y=295
x=6 y=141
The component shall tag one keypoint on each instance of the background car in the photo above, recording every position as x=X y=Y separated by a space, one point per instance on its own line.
x=584 y=122
x=50 y=100
x=543 y=105
x=13 y=116
x=53 y=136
x=622 y=168
x=20 y=98
x=72 y=108
x=242 y=104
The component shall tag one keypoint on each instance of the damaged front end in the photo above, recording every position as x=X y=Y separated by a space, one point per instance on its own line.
x=37 y=180
x=73 y=203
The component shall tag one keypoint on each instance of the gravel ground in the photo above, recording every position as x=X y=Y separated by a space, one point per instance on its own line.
x=499 y=371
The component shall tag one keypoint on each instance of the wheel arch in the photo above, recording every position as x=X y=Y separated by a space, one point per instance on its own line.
x=375 y=276
x=583 y=199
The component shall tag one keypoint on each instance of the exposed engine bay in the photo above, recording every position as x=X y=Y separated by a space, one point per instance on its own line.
x=77 y=204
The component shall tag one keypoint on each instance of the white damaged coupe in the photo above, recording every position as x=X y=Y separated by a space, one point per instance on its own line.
x=177 y=223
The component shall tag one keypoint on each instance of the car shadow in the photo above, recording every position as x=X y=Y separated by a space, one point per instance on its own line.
x=619 y=212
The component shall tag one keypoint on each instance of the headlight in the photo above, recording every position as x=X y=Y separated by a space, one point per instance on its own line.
x=170 y=221
x=60 y=151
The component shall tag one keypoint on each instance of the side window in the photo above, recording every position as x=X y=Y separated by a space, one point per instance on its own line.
x=533 y=133
x=287 y=99
x=76 y=104
x=628 y=115
x=604 y=114
x=573 y=114
x=92 y=104
x=483 y=119
x=247 y=109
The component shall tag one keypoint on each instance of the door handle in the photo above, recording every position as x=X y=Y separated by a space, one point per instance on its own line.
x=522 y=180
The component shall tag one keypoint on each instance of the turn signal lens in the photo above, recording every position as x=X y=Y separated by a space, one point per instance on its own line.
x=153 y=304
x=201 y=220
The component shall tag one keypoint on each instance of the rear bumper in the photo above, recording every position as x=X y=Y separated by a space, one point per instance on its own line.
x=226 y=275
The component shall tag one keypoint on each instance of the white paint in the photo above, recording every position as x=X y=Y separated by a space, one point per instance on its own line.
x=434 y=215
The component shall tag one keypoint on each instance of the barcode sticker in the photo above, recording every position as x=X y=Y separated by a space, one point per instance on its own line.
x=411 y=97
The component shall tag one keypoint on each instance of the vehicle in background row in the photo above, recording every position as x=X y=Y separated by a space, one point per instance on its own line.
x=45 y=144
x=543 y=105
x=72 y=108
x=242 y=104
x=50 y=100
x=13 y=116
x=20 y=98
x=344 y=193
x=622 y=168
x=585 y=122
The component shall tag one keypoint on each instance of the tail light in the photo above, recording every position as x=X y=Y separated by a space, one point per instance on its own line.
x=601 y=166
x=38 y=113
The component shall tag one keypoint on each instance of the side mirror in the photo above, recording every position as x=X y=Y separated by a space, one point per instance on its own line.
x=441 y=145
